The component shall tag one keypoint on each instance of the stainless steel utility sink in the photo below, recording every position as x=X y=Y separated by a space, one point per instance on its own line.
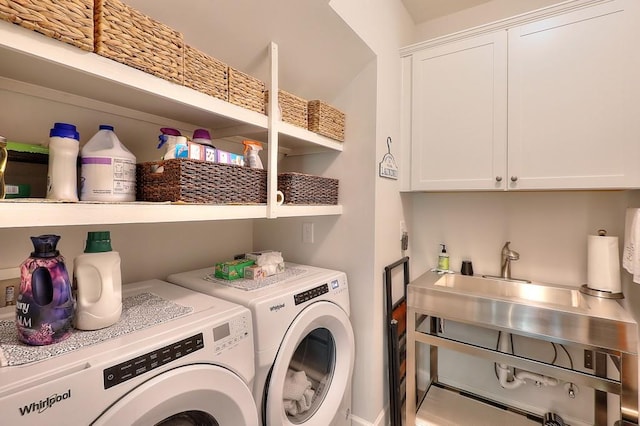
x=513 y=290
x=545 y=310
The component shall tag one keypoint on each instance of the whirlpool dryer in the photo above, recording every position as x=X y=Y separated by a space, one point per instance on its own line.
x=303 y=341
x=175 y=357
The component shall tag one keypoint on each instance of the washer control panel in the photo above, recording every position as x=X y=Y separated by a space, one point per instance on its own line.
x=230 y=333
x=312 y=293
x=127 y=370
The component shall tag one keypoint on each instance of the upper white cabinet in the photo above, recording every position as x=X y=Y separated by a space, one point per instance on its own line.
x=573 y=101
x=459 y=114
x=547 y=100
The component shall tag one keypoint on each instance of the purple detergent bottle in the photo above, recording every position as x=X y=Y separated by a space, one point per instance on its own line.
x=45 y=304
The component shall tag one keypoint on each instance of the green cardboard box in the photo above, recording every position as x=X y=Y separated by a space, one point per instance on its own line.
x=233 y=269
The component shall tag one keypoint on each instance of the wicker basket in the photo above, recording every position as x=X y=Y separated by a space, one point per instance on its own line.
x=246 y=91
x=326 y=120
x=132 y=38
x=205 y=73
x=70 y=21
x=300 y=188
x=293 y=109
x=193 y=181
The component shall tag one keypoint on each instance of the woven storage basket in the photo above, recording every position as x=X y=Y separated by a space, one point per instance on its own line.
x=70 y=21
x=193 y=181
x=132 y=38
x=326 y=120
x=246 y=91
x=300 y=188
x=205 y=73
x=293 y=109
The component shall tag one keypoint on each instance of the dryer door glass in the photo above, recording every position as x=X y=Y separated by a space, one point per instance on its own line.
x=309 y=375
x=189 y=418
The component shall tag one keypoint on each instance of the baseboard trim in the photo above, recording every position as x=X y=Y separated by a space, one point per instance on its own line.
x=381 y=420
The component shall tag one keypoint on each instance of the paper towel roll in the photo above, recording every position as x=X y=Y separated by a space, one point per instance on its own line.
x=603 y=268
x=279 y=198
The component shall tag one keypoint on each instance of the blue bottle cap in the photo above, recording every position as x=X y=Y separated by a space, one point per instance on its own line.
x=64 y=130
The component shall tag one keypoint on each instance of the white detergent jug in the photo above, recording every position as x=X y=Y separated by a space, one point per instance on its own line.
x=98 y=281
x=62 y=174
x=108 y=169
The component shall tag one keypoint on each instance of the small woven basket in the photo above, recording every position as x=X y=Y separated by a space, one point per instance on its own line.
x=205 y=73
x=70 y=21
x=326 y=120
x=246 y=91
x=193 y=181
x=293 y=109
x=132 y=38
x=300 y=188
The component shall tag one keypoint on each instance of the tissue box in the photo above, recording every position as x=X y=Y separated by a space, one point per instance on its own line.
x=225 y=157
x=253 y=272
x=254 y=255
x=233 y=269
x=209 y=154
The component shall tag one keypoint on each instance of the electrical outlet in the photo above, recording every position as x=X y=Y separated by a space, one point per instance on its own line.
x=307 y=232
x=588 y=359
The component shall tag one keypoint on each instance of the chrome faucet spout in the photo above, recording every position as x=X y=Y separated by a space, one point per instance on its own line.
x=507 y=255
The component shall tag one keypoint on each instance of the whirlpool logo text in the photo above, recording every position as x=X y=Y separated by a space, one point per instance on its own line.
x=276 y=308
x=41 y=406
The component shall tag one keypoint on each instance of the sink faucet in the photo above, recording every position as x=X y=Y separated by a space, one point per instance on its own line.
x=507 y=256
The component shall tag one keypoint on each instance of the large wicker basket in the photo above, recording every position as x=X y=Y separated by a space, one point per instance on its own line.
x=293 y=109
x=193 y=181
x=246 y=91
x=70 y=21
x=132 y=38
x=300 y=188
x=326 y=120
x=205 y=74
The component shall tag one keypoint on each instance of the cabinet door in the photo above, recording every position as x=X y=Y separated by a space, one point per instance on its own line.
x=573 y=100
x=459 y=115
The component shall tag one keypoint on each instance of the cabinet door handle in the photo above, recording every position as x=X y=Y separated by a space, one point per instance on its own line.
x=514 y=178
x=498 y=178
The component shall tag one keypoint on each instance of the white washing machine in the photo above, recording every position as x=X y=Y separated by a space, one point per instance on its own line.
x=301 y=324
x=195 y=369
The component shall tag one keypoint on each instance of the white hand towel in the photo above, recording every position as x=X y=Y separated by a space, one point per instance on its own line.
x=631 y=252
x=297 y=393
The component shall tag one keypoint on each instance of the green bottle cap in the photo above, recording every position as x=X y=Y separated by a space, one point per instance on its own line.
x=98 y=242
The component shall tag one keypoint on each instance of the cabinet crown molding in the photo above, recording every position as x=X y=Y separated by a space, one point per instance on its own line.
x=502 y=24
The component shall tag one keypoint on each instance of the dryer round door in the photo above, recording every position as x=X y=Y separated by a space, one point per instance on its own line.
x=199 y=394
x=312 y=370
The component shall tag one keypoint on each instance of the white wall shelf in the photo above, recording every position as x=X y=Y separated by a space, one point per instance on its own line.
x=30 y=213
x=48 y=65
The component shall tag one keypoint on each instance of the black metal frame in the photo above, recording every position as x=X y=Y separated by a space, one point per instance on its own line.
x=396 y=350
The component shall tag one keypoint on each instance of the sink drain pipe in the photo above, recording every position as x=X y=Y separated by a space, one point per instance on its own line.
x=505 y=372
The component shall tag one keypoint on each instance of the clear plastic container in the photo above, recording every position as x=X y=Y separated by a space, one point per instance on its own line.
x=108 y=169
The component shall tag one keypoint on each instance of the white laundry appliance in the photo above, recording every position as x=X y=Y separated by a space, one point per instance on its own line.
x=195 y=367
x=302 y=333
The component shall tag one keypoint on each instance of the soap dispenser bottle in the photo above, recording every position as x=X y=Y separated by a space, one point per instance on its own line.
x=443 y=259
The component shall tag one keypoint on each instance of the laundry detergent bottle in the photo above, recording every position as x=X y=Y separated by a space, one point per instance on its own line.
x=98 y=283
x=108 y=168
x=45 y=303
